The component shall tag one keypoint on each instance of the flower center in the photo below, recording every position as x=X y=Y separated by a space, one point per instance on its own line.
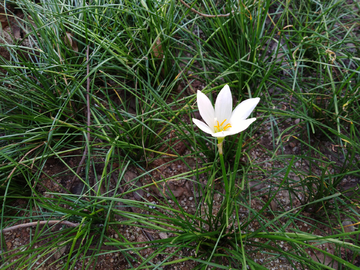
x=219 y=127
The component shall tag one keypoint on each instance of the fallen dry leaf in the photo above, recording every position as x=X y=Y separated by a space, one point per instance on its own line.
x=70 y=41
x=157 y=49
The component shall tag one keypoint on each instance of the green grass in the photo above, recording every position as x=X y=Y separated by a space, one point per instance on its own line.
x=146 y=61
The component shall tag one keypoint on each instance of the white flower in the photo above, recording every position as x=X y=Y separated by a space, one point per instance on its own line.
x=223 y=121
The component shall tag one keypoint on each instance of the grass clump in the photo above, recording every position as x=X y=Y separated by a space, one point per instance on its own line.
x=142 y=185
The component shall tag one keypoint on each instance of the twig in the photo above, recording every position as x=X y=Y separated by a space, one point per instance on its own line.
x=36 y=223
x=206 y=15
x=88 y=119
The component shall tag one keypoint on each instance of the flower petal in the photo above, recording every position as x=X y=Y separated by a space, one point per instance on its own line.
x=223 y=105
x=244 y=109
x=240 y=125
x=206 y=109
x=203 y=126
x=221 y=134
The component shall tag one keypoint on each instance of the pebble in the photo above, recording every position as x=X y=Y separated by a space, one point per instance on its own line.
x=256 y=185
x=348 y=227
x=217 y=197
x=273 y=205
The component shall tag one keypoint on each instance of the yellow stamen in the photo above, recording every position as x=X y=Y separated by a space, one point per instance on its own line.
x=227 y=126
x=222 y=122
x=219 y=126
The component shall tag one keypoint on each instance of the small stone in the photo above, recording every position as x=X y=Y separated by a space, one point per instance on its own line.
x=177 y=191
x=273 y=205
x=138 y=195
x=217 y=197
x=348 y=226
x=256 y=185
x=77 y=188
x=60 y=251
x=129 y=176
x=163 y=235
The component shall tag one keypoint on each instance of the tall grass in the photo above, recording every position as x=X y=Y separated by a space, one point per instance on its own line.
x=146 y=61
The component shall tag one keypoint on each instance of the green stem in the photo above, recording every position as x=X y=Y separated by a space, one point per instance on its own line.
x=224 y=174
x=227 y=191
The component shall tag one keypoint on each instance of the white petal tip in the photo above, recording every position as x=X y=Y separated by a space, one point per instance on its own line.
x=201 y=125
